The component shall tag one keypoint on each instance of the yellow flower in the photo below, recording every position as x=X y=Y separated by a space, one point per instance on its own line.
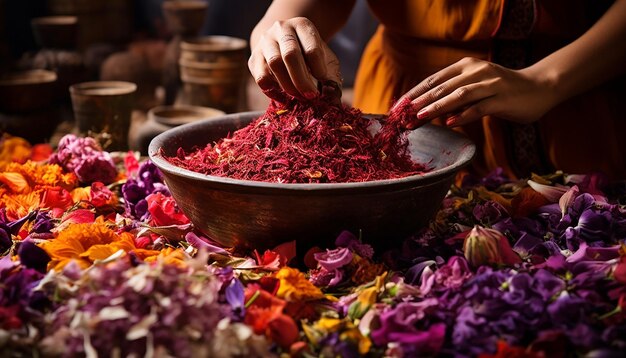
x=295 y=287
x=348 y=332
x=168 y=255
x=81 y=194
x=367 y=297
x=85 y=243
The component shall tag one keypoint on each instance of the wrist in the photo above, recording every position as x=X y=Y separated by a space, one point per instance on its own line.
x=549 y=82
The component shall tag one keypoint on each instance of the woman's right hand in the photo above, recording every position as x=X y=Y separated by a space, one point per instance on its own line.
x=292 y=56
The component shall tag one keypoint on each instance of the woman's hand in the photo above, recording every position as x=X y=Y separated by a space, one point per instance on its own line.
x=471 y=88
x=292 y=56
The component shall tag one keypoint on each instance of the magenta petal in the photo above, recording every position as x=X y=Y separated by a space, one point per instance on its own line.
x=334 y=259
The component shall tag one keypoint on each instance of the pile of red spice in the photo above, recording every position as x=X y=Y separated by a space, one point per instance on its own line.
x=303 y=142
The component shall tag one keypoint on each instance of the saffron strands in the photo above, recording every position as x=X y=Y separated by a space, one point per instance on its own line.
x=302 y=142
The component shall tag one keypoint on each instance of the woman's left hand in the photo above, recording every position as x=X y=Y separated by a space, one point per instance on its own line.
x=471 y=88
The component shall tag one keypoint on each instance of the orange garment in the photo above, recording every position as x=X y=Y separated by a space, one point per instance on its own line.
x=417 y=38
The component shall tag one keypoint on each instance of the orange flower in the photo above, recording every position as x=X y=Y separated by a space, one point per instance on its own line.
x=44 y=175
x=13 y=149
x=15 y=182
x=295 y=287
x=18 y=206
x=85 y=243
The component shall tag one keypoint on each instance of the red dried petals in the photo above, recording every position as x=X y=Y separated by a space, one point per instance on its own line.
x=302 y=142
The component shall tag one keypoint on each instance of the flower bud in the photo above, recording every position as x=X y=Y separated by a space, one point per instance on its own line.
x=485 y=246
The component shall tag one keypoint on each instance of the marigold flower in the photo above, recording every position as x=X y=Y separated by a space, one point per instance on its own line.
x=13 y=149
x=15 y=182
x=85 y=243
x=295 y=287
x=43 y=175
x=18 y=206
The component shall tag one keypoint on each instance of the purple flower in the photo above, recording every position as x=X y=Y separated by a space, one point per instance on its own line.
x=85 y=158
x=348 y=240
x=449 y=276
x=400 y=325
x=235 y=296
x=547 y=284
x=489 y=212
x=32 y=256
x=10 y=228
x=333 y=259
x=149 y=181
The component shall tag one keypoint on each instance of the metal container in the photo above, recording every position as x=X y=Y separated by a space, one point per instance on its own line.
x=250 y=214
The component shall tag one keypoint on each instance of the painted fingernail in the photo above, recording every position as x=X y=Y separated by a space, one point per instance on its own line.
x=422 y=114
x=310 y=95
x=452 y=121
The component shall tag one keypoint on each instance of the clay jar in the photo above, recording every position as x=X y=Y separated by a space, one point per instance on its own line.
x=184 y=19
x=103 y=109
x=213 y=71
x=59 y=32
x=162 y=118
x=57 y=35
x=27 y=104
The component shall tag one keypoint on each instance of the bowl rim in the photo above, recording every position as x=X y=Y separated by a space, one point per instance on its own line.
x=468 y=152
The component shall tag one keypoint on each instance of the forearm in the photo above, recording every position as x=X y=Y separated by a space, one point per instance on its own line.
x=327 y=15
x=595 y=57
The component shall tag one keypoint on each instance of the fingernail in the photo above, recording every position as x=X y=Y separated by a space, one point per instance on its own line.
x=452 y=121
x=310 y=95
x=422 y=114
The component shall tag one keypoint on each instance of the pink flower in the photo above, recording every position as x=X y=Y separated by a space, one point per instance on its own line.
x=165 y=211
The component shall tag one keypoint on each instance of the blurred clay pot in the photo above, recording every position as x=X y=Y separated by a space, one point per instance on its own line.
x=215 y=49
x=103 y=109
x=184 y=17
x=55 y=31
x=213 y=70
x=27 y=91
x=162 y=118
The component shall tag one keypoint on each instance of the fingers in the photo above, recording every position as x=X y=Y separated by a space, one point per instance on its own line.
x=264 y=78
x=434 y=80
x=274 y=60
x=294 y=62
x=473 y=113
x=455 y=100
x=295 y=56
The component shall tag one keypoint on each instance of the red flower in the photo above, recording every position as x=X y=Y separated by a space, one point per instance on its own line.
x=282 y=330
x=165 y=211
x=8 y=317
x=55 y=197
x=620 y=270
x=100 y=195
x=507 y=351
x=131 y=164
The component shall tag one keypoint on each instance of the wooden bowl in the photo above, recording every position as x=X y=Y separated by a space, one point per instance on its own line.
x=251 y=214
x=56 y=31
x=27 y=91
